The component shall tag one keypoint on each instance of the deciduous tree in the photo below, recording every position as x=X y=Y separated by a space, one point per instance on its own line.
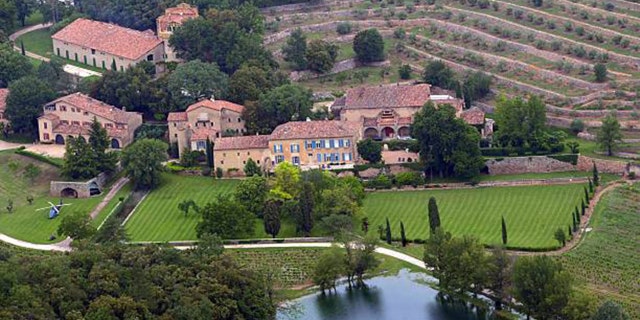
x=610 y=310
x=329 y=268
x=26 y=97
x=560 y=236
x=142 y=162
x=195 y=80
x=369 y=150
x=438 y=74
x=252 y=194
x=609 y=136
x=76 y=225
x=520 y=122
x=295 y=50
x=226 y=218
x=283 y=104
x=368 y=46
x=321 y=56
x=541 y=285
x=252 y=169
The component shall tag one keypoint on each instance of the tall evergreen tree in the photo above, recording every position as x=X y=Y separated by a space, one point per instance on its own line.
x=583 y=207
x=596 y=177
x=590 y=185
x=570 y=231
x=271 y=217
x=209 y=153
x=586 y=194
x=388 y=232
x=504 y=232
x=434 y=215
x=79 y=162
x=403 y=237
x=22 y=48
x=307 y=204
x=113 y=65
x=575 y=221
x=99 y=143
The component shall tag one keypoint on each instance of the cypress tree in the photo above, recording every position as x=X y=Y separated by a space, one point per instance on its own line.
x=596 y=177
x=434 y=215
x=504 y=232
x=402 y=235
x=388 y=231
x=575 y=222
x=209 y=153
x=113 y=65
x=590 y=185
x=583 y=207
x=586 y=194
x=570 y=233
x=22 y=48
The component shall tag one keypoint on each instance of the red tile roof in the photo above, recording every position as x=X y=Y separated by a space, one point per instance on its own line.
x=313 y=130
x=473 y=116
x=110 y=38
x=176 y=15
x=3 y=98
x=399 y=156
x=241 y=143
x=96 y=107
x=394 y=96
x=217 y=105
x=203 y=134
x=177 y=116
x=50 y=116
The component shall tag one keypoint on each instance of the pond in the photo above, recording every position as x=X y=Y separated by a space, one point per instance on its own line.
x=403 y=296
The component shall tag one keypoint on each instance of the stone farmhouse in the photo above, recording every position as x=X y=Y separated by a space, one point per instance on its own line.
x=105 y=45
x=3 y=105
x=73 y=114
x=207 y=118
x=169 y=21
x=308 y=144
x=386 y=112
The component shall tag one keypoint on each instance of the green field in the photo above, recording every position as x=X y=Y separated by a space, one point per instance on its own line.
x=532 y=213
x=25 y=223
x=607 y=262
x=38 y=42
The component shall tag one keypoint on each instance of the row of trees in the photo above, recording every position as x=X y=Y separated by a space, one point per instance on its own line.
x=539 y=283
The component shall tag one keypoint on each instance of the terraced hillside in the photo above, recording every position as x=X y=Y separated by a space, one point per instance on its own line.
x=548 y=50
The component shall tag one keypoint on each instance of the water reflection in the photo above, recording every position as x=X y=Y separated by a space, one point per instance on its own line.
x=405 y=296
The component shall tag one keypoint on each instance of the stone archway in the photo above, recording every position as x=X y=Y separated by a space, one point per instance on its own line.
x=115 y=144
x=388 y=133
x=59 y=139
x=69 y=193
x=94 y=189
x=404 y=132
x=371 y=133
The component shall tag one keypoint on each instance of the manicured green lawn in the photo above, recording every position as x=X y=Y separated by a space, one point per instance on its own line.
x=38 y=42
x=532 y=213
x=104 y=213
x=25 y=223
x=605 y=177
x=606 y=263
x=157 y=217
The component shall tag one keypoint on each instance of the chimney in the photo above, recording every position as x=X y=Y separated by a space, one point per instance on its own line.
x=212 y=98
x=308 y=119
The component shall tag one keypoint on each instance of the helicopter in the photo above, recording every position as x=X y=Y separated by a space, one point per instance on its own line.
x=54 y=210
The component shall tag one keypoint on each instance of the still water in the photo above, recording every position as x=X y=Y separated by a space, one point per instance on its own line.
x=405 y=296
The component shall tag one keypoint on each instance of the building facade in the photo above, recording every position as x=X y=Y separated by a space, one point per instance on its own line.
x=3 y=105
x=73 y=114
x=207 y=118
x=169 y=22
x=386 y=112
x=106 y=46
x=306 y=144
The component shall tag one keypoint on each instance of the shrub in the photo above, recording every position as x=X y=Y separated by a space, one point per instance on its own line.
x=577 y=125
x=609 y=6
x=399 y=33
x=409 y=179
x=404 y=72
x=343 y=28
x=381 y=182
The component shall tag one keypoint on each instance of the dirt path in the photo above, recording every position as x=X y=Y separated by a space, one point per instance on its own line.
x=114 y=189
x=20 y=32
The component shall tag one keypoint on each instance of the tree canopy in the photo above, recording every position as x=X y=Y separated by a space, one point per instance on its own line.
x=436 y=73
x=609 y=135
x=370 y=151
x=142 y=162
x=13 y=65
x=290 y=102
x=368 y=46
x=25 y=101
x=226 y=218
x=195 y=80
x=295 y=49
x=520 y=123
x=448 y=145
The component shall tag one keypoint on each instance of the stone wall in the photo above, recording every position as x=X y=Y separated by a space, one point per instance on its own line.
x=77 y=189
x=541 y=164
x=534 y=164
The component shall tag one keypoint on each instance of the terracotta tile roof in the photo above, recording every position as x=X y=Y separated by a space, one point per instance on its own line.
x=70 y=129
x=313 y=129
x=339 y=103
x=177 y=116
x=176 y=15
x=110 y=38
x=387 y=96
x=400 y=156
x=473 y=116
x=96 y=107
x=244 y=142
x=203 y=133
x=3 y=98
x=216 y=105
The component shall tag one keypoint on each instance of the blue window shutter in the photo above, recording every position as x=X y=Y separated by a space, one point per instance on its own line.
x=319 y=157
x=275 y=148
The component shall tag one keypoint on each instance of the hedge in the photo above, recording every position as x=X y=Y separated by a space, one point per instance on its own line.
x=39 y=157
